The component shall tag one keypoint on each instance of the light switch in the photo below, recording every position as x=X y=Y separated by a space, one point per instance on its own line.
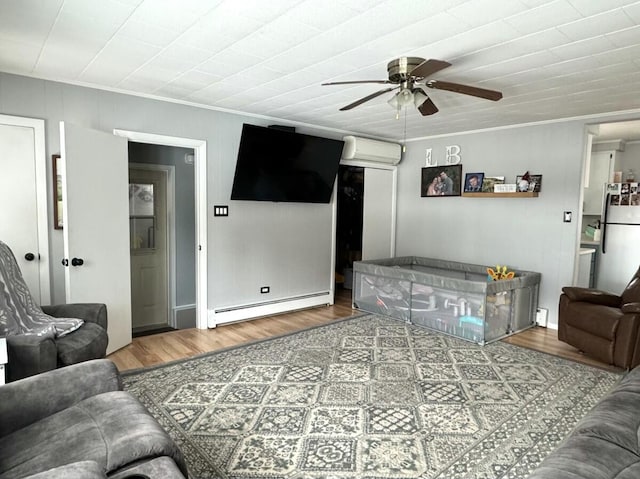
x=567 y=216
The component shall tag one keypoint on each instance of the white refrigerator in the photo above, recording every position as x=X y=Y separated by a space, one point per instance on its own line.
x=619 y=255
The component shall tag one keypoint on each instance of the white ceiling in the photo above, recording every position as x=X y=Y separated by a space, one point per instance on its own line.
x=551 y=58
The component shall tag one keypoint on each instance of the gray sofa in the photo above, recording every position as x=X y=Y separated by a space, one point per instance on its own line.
x=76 y=422
x=605 y=443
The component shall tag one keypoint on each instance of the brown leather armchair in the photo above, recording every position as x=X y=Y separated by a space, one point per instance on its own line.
x=603 y=325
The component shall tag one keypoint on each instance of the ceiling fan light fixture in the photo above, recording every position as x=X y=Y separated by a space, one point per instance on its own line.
x=402 y=99
x=419 y=98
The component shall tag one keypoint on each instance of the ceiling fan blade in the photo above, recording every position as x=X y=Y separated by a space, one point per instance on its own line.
x=465 y=89
x=429 y=67
x=355 y=81
x=427 y=107
x=367 y=98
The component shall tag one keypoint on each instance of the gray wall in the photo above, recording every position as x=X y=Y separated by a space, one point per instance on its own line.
x=285 y=246
x=522 y=233
x=185 y=217
x=630 y=159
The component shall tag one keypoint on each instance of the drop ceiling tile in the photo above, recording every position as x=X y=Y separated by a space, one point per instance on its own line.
x=167 y=14
x=142 y=84
x=596 y=25
x=262 y=45
x=27 y=25
x=633 y=11
x=198 y=79
x=546 y=16
x=106 y=11
x=180 y=58
x=583 y=48
x=206 y=39
x=287 y=31
x=617 y=55
x=482 y=12
x=17 y=56
x=322 y=14
x=625 y=37
x=117 y=60
x=148 y=33
x=589 y=7
x=57 y=56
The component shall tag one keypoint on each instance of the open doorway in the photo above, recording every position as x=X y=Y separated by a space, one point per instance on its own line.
x=163 y=238
x=610 y=222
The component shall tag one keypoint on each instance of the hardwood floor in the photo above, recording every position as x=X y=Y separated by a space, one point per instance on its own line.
x=164 y=347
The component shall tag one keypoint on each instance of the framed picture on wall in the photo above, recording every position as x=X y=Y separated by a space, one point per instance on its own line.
x=56 y=168
x=441 y=181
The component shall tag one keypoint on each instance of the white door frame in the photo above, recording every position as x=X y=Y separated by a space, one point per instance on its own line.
x=44 y=265
x=200 y=168
x=394 y=195
x=169 y=171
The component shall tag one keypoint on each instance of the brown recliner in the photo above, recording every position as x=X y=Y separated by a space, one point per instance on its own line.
x=603 y=325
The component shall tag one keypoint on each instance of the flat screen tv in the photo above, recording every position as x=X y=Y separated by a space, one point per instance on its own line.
x=280 y=165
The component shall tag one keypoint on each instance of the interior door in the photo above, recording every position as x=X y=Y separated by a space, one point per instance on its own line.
x=96 y=239
x=23 y=222
x=149 y=248
x=379 y=213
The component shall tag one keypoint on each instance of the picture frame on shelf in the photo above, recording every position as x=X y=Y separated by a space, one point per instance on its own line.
x=56 y=168
x=441 y=181
x=473 y=182
x=535 y=182
x=488 y=183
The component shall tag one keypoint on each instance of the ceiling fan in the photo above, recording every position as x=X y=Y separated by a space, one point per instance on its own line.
x=409 y=73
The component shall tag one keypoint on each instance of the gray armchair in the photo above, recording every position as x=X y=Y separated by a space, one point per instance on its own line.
x=41 y=339
x=76 y=422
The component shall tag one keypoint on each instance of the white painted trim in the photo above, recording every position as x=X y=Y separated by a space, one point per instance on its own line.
x=240 y=313
x=170 y=178
x=594 y=116
x=368 y=164
x=42 y=202
x=200 y=169
x=334 y=232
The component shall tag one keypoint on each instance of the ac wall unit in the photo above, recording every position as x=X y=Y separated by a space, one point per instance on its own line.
x=356 y=148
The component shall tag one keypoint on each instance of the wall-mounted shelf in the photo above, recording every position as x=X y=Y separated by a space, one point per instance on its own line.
x=526 y=194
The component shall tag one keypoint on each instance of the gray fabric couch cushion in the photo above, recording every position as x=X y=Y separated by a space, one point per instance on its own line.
x=113 y=429
x=88 y=342
x=76 y=470
x=160 y=467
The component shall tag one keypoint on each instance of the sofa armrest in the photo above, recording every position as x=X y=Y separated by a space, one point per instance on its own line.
x=29 y=354
x=594 y=296
x=27 y=401
x=631 y=308
x=91 y=312
x=75 y=470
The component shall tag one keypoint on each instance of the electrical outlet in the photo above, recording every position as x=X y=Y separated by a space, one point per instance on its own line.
x=220 y=210
x=567 y=216
x=265 y=289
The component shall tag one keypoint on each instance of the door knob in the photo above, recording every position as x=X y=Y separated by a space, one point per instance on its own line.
x=77 y=262
x=29 y=256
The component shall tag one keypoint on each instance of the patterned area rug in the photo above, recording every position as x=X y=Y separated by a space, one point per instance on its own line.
x=369 y=397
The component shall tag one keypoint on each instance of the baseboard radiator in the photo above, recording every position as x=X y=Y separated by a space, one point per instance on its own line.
x=266 y=308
